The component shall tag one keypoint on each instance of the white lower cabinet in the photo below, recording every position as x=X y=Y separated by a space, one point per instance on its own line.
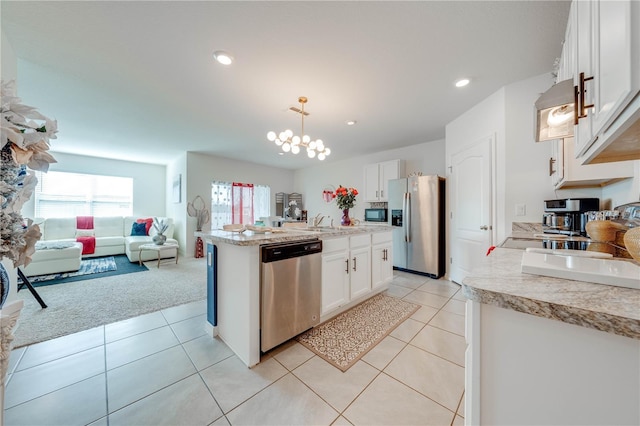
x=348 y=268
x=534 y=370
x=360 y=265
x=381 y=259
x=335 y=279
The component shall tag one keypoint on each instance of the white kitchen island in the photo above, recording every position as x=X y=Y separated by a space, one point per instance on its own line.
x=549 y=351
x=233 y=303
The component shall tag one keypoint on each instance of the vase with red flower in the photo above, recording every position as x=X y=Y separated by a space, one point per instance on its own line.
x=345 y=221
x=345 y=199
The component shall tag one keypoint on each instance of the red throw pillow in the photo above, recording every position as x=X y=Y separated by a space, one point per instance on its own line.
x=148 y=222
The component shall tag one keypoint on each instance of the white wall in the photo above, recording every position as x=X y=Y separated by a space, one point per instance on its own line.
x=202 y=169
x=623 y=192
x=149 y=180
x=8 y=61
x=178 y=211
x=427 y=158
x=526 y=162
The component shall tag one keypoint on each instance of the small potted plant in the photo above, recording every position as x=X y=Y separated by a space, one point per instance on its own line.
x=160 y=226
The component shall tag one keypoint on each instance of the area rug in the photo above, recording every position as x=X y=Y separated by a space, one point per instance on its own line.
x=82 y=305
x=89 y=269
x=343 y=340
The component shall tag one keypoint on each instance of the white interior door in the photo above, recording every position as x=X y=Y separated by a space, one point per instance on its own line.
x=471 y=201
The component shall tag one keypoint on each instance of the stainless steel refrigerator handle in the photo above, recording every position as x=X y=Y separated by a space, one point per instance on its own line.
x=404 y=215
x=408 y=221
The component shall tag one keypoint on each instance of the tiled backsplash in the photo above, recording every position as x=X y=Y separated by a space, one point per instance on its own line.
x=526 y=227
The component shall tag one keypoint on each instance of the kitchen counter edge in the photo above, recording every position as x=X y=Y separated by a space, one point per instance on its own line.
x=499 y=282
x=249 y=238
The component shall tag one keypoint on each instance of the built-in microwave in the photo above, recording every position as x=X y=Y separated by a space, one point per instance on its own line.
x=375 y=215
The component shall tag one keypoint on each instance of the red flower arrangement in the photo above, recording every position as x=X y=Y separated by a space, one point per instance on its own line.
x=345 y=197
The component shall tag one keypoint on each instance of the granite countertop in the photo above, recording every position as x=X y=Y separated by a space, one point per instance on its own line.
x=499 y=282
x=279 y=235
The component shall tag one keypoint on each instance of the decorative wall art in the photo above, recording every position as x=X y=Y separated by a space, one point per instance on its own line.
x=177 y=188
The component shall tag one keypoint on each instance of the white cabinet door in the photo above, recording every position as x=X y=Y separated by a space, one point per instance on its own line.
x=556 y=162
x=605 y=52
x=335 y=280
x=360 y=271
x=371 y=189
x=570 y=173
x=381 y=265
x=615 y=87
x=376 y=179
x=388 y=170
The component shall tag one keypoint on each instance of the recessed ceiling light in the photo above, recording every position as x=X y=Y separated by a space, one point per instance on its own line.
x=351 y=122
x=462 y=82
x=223 y=57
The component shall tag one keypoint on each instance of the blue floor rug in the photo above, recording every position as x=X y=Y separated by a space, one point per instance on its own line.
x=96 y=267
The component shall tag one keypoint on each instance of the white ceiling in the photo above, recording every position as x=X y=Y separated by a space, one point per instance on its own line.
x=135 y=80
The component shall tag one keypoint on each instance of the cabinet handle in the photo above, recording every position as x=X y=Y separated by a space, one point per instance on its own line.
x=355 y=267
x=576 y=114
x=551 y=163
x=382 y=193
x=583 y=107
x=386 y=255
x=347 y=270
x=377 y=194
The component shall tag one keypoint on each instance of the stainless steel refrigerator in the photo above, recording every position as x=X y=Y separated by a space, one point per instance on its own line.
x=417 y=207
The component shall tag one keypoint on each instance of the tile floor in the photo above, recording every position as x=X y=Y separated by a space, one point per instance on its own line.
x=162 y=368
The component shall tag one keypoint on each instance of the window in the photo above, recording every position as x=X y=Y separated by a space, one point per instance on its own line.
x=238 y=203
x=62 y=194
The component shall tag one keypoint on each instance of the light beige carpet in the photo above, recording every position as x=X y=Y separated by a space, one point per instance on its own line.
x=81 y=305
x=343 y=340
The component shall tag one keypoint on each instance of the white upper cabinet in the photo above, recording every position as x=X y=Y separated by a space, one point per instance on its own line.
x=567 y=172
x=607 y=78
x=377 y=176
x=565 y=167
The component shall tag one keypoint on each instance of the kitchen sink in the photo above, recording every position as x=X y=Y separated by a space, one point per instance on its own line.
x=318 y=229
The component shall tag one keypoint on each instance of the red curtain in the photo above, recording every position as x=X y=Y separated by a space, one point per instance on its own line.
x=242 y=203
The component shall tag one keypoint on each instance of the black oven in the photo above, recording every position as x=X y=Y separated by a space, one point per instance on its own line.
x=375 y=215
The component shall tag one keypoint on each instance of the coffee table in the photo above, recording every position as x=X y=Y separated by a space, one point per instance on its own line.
x=158 y=249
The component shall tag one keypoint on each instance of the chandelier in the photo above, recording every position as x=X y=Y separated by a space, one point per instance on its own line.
x=293 y=143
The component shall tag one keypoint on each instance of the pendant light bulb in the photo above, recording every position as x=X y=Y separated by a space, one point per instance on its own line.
x=294 y=143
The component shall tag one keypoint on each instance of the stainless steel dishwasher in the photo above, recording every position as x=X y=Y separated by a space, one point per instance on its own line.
x=291 y=290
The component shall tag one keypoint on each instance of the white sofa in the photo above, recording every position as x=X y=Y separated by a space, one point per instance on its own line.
x=57 y=251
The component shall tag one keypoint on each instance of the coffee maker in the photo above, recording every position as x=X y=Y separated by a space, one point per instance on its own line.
x=568 y=216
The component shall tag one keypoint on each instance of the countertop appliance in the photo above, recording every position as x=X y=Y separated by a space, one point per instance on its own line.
x=417 y=207
x=290 y=290
x=568 y=216
x=375 y=215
